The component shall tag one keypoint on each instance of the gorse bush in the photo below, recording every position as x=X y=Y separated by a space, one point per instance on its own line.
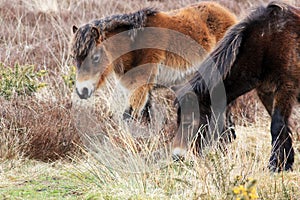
x=70 y=78
x=20 y=80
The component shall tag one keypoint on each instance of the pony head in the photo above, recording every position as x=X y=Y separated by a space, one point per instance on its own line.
x=89 y=56
x=97 y=53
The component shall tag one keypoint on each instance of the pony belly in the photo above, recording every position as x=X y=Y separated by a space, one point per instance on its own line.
x=168 y=76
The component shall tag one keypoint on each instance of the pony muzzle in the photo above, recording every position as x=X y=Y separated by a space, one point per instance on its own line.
x=179 y=154
x=84 y=89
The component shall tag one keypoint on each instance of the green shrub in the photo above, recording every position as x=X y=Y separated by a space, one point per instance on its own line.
x=20 y=80
x=70 y=78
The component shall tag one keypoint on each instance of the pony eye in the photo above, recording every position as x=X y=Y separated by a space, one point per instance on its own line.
x=96 y=58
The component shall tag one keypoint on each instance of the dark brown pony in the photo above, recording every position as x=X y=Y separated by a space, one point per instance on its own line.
x=261 y=52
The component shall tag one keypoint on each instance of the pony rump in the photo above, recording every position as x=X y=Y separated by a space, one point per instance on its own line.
x=219 y=62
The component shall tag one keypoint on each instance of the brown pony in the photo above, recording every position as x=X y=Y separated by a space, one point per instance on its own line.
x=146 y=48
x=261 y=52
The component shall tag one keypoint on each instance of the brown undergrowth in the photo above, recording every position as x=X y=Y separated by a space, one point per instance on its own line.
x=37 y=129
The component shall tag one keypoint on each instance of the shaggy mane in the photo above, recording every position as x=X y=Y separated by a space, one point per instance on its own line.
x=135 y=20
x=84 y=41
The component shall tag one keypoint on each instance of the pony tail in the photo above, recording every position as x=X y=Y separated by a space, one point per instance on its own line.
x=216 y=67
x=226 y=52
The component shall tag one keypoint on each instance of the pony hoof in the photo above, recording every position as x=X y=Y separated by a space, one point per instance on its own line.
x=273 y=167
x=288 y=167
x=127 y=114
x=232 y=135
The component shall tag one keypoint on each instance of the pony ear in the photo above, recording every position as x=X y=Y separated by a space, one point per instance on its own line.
x=276 y=8
x=74 y=29
x=95 y=33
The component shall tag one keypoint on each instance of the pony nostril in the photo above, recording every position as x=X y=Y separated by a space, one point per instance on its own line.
x=84 y=94
x=85 y=91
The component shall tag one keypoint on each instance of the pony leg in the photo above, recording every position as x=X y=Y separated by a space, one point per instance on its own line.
x=282 y=154
x=139 y=103
x=267 y=99
x=139 y=81
x=229 y=125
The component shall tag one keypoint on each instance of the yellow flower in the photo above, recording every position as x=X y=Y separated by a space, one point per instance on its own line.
x=239 y=190
x=253 y=196
x=253 y=193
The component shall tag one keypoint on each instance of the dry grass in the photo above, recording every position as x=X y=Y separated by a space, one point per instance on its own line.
x=37 y=129
x=123 y=160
